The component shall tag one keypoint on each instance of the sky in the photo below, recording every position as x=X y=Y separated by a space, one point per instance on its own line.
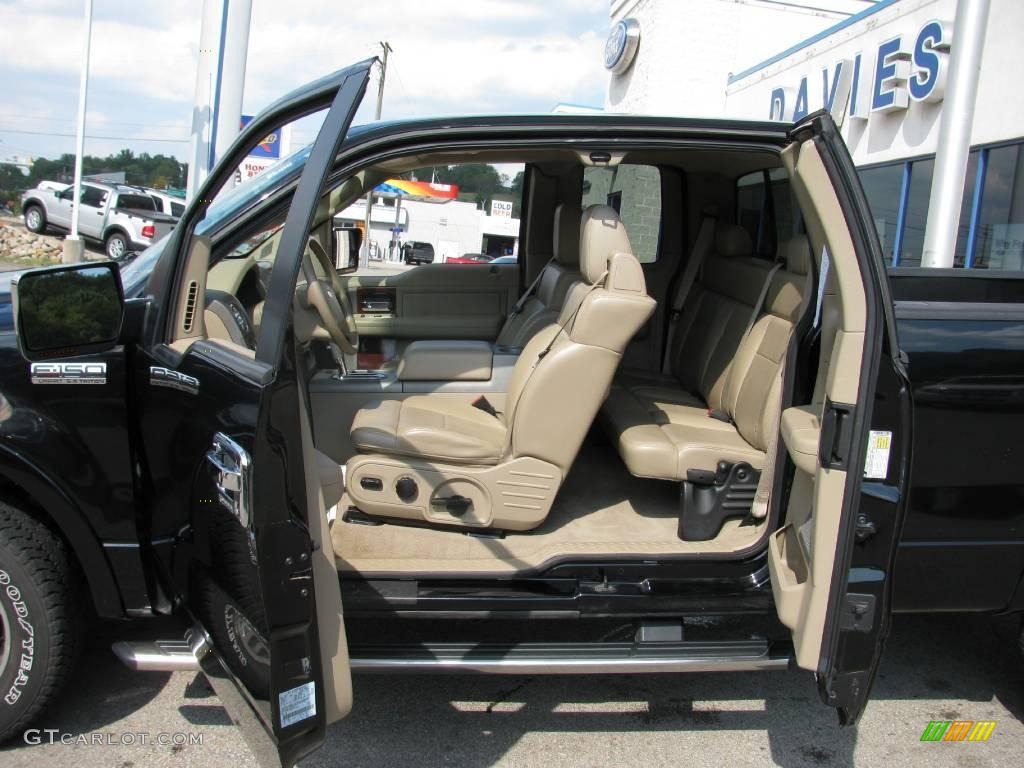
x=450 y=57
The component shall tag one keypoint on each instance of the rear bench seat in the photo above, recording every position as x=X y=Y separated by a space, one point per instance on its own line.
x=660 y=421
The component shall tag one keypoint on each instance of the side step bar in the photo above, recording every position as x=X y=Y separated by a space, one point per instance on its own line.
x=160 y=655
x=572 y=658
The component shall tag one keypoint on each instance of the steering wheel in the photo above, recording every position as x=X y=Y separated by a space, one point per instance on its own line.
x=327 y=296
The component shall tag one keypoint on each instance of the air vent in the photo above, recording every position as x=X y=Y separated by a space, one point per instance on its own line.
x=190 y=307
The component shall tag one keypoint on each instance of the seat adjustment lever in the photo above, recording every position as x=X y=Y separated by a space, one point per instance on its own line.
x=454 y=505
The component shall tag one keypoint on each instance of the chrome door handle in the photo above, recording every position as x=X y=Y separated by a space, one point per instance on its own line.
x=233 y=468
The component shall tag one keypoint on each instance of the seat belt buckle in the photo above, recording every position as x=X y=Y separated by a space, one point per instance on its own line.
x=485 y=405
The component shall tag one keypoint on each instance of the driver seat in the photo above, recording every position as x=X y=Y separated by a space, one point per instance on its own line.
x=447 y=462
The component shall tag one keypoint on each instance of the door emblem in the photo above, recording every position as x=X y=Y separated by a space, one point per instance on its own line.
x=69 y=373
x=165 y=377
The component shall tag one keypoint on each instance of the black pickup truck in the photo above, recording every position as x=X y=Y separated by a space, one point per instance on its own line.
x=724 y=455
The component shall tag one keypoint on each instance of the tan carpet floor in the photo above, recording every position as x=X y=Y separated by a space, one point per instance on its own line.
x=600 y=510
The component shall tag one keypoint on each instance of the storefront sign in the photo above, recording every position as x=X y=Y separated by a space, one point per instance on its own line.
x=501 y=208
x=620 y=48
x=899 y=71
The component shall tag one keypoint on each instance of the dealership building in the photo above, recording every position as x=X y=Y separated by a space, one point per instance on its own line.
x=881 y=67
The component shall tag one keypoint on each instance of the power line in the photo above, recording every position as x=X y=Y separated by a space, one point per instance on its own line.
x=108 y=138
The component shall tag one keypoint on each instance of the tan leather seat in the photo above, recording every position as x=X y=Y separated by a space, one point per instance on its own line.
x=543 y=305
x=430 y=428
x=441 y=460
x=661 y=423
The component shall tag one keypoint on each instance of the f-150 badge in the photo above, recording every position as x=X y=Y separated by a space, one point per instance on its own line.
x=69 y=373
x=166 y=377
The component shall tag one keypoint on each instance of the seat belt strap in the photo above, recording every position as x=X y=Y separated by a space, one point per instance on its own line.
x=701 y=248
x=759 y=304
x=754 y=315
x=529 y=291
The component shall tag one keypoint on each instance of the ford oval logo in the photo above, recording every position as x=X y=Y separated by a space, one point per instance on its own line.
x=620 y=48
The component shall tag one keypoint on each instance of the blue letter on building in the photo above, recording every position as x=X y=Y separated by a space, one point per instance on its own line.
x=880 y=99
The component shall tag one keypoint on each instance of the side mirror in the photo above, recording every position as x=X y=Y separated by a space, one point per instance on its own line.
x=68 y=311
x=347 y=242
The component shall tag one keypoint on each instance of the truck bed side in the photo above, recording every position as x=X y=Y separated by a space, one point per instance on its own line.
x=963 y=540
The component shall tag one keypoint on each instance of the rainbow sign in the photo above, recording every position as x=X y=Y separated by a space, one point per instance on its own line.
x=421 y=189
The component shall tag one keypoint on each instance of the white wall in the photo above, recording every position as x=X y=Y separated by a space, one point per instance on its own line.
x=688 y=48
x=886 y=136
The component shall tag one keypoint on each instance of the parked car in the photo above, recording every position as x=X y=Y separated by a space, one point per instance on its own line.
x=165 y=203
x=121 y=217
x=505 y=260
x=416 y=252
x=804 y=443
x=469 y=258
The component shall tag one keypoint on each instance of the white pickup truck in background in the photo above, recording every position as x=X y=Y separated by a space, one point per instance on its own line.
x=121 y=217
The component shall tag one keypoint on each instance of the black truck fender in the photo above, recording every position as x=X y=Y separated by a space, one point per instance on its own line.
x=69 y=521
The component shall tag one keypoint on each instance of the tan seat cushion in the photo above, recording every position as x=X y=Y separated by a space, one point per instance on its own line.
x=430 y=427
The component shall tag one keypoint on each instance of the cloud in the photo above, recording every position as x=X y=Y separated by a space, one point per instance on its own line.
x=450 y=57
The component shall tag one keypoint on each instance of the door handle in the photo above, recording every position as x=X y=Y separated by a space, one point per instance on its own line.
x=835 y=435
x=232 y=465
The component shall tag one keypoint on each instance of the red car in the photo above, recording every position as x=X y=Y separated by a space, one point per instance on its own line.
x=469 y=258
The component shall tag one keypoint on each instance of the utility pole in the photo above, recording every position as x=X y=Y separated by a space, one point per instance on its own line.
x=386 y=48
x=73 y=246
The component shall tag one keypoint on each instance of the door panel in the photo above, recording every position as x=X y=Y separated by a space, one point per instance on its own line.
x=435 y=301
x=236 y=517
x=830 y=581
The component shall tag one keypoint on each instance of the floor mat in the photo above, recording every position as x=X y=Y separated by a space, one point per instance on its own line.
x=600 y=510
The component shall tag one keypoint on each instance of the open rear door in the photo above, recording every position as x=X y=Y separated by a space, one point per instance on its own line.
x=831 y=561
x=234 y=515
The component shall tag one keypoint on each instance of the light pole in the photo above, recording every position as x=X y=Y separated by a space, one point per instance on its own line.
x=73 y=247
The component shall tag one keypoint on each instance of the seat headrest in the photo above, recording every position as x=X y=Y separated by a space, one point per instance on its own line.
x=602 y=235
x=732 y=240
x=795 y=253
x=567 y=235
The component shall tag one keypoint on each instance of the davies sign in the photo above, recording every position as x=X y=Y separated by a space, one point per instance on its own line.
x=886 y=79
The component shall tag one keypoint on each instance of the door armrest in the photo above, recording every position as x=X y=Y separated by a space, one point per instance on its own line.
x=449 y=360
x=801 y=431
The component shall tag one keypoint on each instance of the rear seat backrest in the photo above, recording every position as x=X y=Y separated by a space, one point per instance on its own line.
x=556 y=281
x=751 y=395
x=716 y=314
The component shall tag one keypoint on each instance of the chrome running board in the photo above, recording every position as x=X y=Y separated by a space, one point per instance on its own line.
x=159 y=655
x=572 y=658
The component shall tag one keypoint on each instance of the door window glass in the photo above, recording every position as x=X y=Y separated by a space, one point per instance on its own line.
x=93 y=196
x=461 y=214
x=883 y=186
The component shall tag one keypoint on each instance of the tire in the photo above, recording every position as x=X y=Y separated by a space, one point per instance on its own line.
x=116 y=245
x=40 y=619
x=35 y=219
x=242 y=644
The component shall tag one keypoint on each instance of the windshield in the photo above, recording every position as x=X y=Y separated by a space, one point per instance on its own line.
x=135 y=274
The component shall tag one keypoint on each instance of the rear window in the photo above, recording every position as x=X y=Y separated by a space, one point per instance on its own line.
x=764 y=207
x=635 y=192
x=138 y=202
x=177 y=209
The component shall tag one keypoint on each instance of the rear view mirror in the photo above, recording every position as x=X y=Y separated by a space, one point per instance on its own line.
x=347 y=242
x=68 y=311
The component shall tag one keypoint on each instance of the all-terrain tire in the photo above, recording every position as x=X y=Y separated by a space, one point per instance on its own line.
x=40 y=617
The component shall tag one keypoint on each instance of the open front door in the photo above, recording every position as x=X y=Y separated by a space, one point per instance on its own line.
x=233 y=513
x=831 y=560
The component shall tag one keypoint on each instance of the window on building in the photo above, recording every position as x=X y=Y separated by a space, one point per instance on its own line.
x=883 y=187
x=635 y=192
x=999 y=234
x=767 y=218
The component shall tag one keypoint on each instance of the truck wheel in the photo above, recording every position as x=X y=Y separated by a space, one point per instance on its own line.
x=243 y=645
x=39 y=618
x=35 y=219
x=116 y=245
